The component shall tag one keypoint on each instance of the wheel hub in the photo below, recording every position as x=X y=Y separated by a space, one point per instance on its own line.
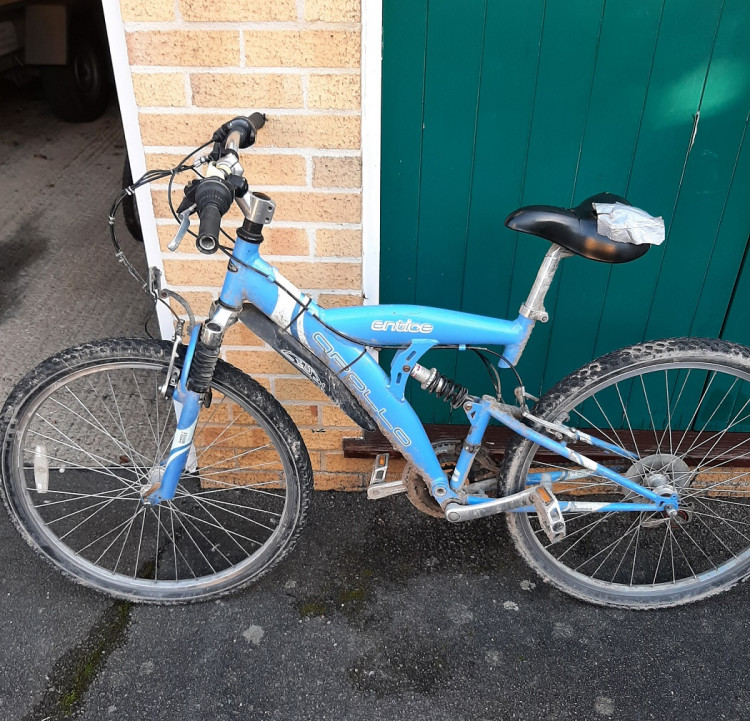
x=660 y=469
x=154 y=481
x=666 y=475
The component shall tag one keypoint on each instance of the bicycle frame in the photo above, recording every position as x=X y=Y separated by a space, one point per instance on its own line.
x=340 y=338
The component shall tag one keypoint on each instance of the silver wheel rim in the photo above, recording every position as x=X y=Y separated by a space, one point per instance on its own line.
x=671 y=553
x=208 y=544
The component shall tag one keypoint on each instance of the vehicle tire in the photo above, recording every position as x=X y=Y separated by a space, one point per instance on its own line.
x=78 y=92
x=93 y=417
x=130 y=205
x=682 y=406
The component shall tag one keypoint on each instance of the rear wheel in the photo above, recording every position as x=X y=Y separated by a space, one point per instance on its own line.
x=87 y=430
x=682 y=407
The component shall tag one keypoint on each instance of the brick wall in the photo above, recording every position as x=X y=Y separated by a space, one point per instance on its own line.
x=197 y=63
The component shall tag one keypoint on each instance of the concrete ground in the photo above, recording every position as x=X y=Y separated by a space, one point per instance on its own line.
x=381 y=613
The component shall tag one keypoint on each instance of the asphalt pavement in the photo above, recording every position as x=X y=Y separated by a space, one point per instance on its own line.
x=381 y=613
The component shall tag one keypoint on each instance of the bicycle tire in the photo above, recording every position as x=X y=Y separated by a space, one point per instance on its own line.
x=93 y=415
x=649 y=560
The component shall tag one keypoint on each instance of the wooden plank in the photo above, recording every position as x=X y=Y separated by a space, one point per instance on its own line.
x=454 y=56
x=497 y=438
x=404 y=58
x=506 y=96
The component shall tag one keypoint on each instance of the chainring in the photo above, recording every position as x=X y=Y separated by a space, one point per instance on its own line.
x=447 y=452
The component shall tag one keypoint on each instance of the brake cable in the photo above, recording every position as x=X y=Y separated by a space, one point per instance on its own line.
x=153 y=285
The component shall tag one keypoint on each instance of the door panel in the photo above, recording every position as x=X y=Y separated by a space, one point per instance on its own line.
x=508 y=103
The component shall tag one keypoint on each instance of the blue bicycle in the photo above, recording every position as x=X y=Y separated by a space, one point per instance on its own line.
x=157 y=472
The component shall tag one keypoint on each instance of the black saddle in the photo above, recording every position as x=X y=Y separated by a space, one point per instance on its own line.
x=575 y=229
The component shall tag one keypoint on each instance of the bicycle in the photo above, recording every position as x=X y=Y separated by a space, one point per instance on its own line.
x=156 y=472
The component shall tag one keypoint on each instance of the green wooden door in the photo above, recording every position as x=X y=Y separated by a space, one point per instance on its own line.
x=494 y=104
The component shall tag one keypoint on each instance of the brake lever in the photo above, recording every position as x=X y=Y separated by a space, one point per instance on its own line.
x=184 y=225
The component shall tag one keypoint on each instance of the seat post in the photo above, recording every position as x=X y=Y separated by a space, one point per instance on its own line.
x=533 y=308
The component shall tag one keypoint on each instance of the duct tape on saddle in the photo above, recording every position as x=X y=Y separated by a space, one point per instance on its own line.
x=628 y=224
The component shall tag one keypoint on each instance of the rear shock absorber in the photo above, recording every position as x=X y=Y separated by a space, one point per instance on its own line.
x=443 y=387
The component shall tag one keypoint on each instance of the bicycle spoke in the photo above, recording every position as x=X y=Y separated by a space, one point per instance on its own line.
x=119 y=415
x=101 y=470
x=136 y=567
x=76 y=496
x=661 y=553
x=172 y=514
x=699 y=516
x=90 y=424
x=689 y=411
x=627 y=419
x=235 y=457
x=138 y=509
x=101 y=460
x=147 y=413
x=254 y=486
x=730 y=524
x=211 y=545
x=218 y=525
x=160 y=526
x=216 y=502
x=229 y=532
x=213 y=443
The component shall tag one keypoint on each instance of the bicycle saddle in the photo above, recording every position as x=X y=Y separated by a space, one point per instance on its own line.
x=575 y=229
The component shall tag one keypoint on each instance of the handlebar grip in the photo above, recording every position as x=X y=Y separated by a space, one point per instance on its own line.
x=245 y=126
x=258 y=120
x=209 y=229
x=213 y=197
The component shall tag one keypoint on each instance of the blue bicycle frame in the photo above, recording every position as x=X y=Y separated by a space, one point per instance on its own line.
x=340 y=339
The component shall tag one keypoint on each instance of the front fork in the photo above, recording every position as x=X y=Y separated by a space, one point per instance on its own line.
x=187 y=407
x=166 y=475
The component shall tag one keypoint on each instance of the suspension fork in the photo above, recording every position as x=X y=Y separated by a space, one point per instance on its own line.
x=193 y=390
x=164 y=485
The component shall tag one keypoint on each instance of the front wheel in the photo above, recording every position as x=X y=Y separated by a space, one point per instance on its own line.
x=88 y=430
x=682 y=408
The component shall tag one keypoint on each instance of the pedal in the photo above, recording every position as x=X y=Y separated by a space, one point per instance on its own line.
x=378 y=487
x=549 y=513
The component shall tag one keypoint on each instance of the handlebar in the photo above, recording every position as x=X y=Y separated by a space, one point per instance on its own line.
x=213 y=194
x=239 y=132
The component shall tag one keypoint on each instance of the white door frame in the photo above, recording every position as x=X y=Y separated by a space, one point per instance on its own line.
x=129 y=110
x=372 y=55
